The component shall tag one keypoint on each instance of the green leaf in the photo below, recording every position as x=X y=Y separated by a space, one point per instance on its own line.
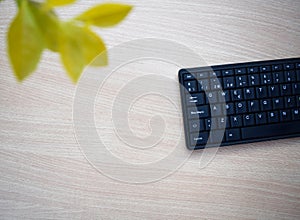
x=54 y=3
x=93 y=46
x=105 y=15
x=78 y=48
x=25 y=42
x=71 y=51
x=49 y=25
x=100 y=60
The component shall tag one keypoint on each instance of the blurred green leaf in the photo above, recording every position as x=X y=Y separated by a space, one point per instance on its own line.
x=71 y=51
x=78 y=48
x=49 y=25
x=105 y=15
x=36 y=27
x=25 y=42
x=92 y=47
x=54 y=3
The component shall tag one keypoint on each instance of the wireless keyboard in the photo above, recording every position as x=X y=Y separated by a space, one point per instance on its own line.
x=240 y=103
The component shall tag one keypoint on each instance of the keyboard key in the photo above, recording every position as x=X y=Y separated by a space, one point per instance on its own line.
x=254 y=80
x=278 y=77
x=298 y=66
x=261 y=118
x=227 y=72
x=195 y=99
x=285 y=89
x=296 y=88
x=191 y=86
x=188 y=76
x=232 y=134
x=236 y=121
x=278 y=103
x=223 y=123
x=261 y=92
x=241 y=81
x=202 y=75
x=266 y=78
x=264 y=69
x=230 y=108
x=240 y=107
x=228 y=82
x=203 y=85
x=249 y=93
x=208 y=123
x=273 y=117
x=253 y=106
x=199 y=139
x=290 y=76
x=277 y=67
x=289 y=66
x=237 y=95
x=197 y=125
x=216 y=136
x=290 y=102
x=248 y=119
x=266 y=104
x=225 y=94
x=240 y=71
x=212 y=97
x=217 y=73
x=296 y=114
x=216 y=110
x=215 y=123
x=274 y=91
x=215 y=83
x=201 y=112
x=270 y=130
x=253 y=70
x=285 y=115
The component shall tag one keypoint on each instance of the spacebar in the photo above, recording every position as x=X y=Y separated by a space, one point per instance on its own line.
x=271 y=130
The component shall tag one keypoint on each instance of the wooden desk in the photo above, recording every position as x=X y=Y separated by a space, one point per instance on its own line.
x=45 y=175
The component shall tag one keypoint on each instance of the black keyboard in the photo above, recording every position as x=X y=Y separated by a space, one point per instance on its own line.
x=240 y=103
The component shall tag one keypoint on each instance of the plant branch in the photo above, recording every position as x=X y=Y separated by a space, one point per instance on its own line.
x=18 y=2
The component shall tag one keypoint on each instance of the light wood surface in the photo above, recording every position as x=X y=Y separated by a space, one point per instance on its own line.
x=44 y=174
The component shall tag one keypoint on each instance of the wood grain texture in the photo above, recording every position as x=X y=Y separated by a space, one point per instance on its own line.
x=44 y=175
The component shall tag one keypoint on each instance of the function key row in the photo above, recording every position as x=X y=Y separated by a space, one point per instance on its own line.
x=243 y=71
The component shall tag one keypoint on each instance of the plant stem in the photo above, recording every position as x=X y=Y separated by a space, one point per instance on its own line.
x=18 y=2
